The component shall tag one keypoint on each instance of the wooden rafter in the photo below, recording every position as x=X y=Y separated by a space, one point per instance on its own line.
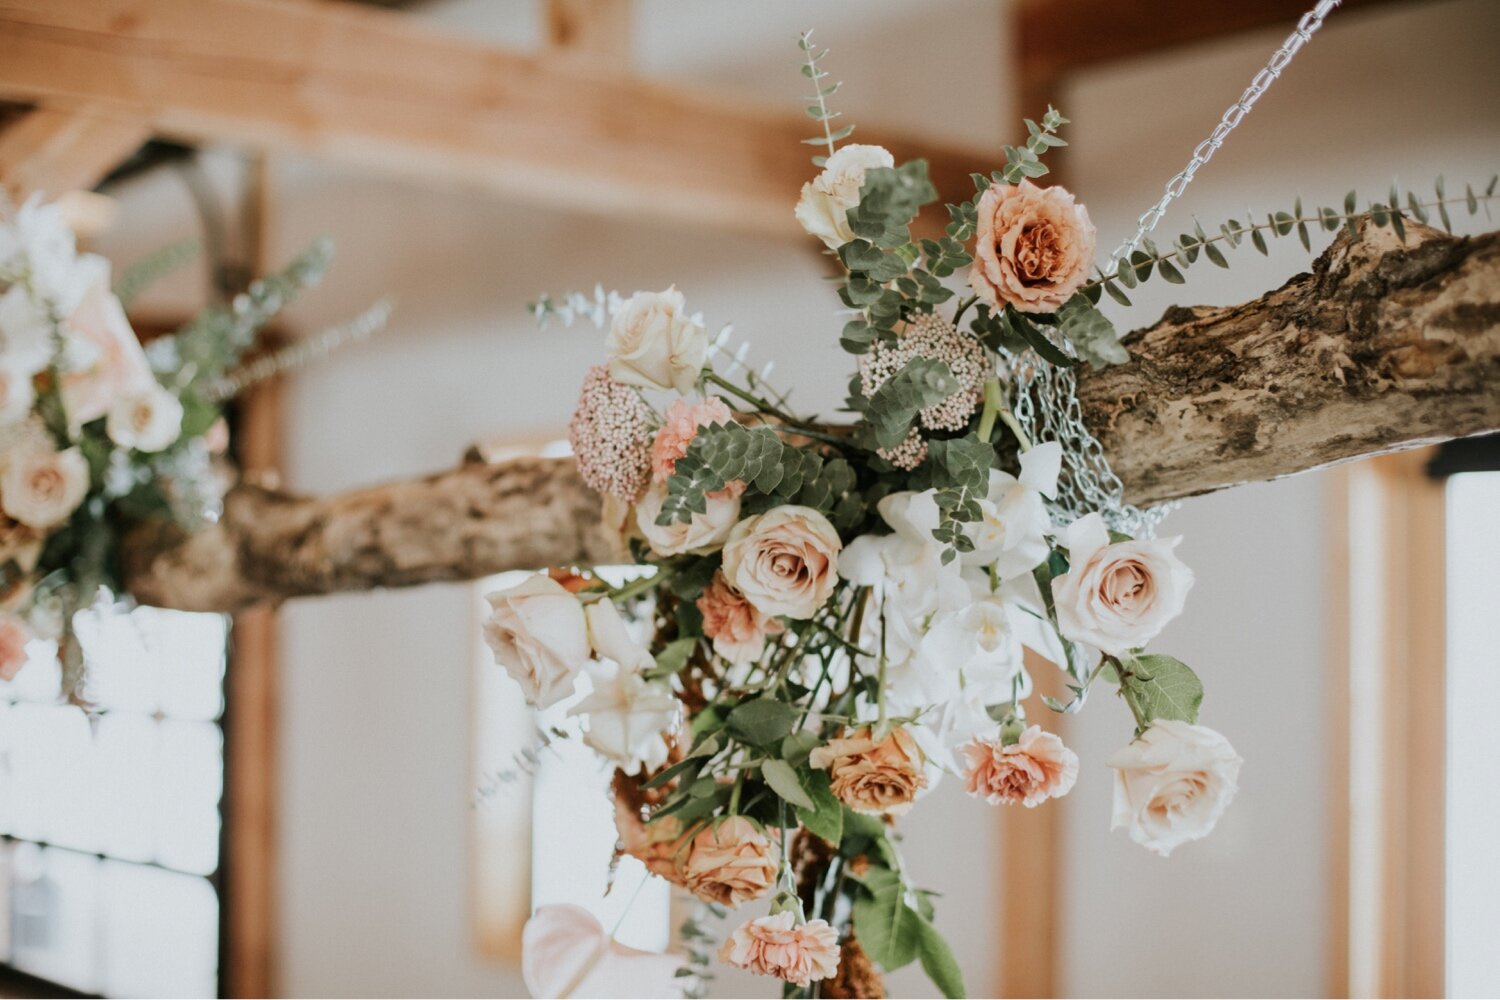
x=1382 y=346
x=54 y=150
x=377 y=88
x=596 y=33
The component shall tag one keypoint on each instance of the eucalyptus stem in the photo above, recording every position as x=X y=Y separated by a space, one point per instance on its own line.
x=963 y=307
x=765 y=406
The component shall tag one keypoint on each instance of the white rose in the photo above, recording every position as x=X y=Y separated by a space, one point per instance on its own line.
x=41 y=487
x=1118 y=597
x=654 y=344
x=1011 y=532
x=538 y=633
x=148 y=421
x=1173 y=784
x=703 y=533
x=16 y=394
x=824 y=206
x=784 y=561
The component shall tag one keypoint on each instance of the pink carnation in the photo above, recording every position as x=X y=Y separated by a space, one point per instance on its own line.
x=737 y=628
x=683 y=420
x=778 y=946
x=1028 y=772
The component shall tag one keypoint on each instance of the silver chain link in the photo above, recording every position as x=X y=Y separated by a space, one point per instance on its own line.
x=1044 y=397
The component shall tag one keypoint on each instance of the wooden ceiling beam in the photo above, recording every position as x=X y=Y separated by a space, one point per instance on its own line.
x=54 y=150
x=594 y=33
x=376 y=88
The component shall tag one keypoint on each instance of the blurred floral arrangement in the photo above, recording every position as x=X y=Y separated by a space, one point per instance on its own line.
x=835 y=615
x=97 y=432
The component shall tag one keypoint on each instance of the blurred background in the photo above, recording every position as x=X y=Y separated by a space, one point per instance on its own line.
x=323 y=801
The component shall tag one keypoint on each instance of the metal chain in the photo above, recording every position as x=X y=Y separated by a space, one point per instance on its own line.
x=1045 y=396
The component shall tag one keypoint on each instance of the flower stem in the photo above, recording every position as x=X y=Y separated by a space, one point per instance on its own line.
x=640 y=586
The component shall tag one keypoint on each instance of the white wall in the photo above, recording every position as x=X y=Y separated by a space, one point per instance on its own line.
x=376 y=692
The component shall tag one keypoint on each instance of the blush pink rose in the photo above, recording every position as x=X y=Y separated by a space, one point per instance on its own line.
x=14 y=635
x=779 y=946
x=784 y=561
x=1034 y=248
x=1028 y=772
x=738 y=629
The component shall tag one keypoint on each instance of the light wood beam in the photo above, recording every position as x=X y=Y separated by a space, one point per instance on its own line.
x=591 y=33
x=376 y=88
x=1382 y=346
x=54 y=150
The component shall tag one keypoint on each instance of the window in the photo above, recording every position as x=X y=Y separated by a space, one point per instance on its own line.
x=110 y=828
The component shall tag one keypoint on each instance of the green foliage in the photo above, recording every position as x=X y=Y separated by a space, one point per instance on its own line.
x=888 y=203
x=782 y=778
x=1160 y=687
x=886 y=926
x=818 y=111
x=673 y=657
x=1090 y=333
x=959 y=469
x=761 y=722
x=152 y=268
x=757 y=456
x=826 y=818
x=937 y=959
x=893 y=408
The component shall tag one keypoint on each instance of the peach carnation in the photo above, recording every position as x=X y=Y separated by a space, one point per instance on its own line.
x=730 y=862
x=1028 y=772
x=779 y=946
x=870 y=775
x=737 y=628
x=1034 y=247
x=681 y=426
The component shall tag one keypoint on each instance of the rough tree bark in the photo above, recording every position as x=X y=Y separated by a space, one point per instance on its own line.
x=1381 y=346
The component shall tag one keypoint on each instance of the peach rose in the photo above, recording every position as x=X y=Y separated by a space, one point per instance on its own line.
x=738 y=630
x=1118 y=597
x=784 y=561
x=1172 y=784
x=1036 y=768
x=1034 y=247
x=105 y=358
x=41 y=487
x=679 y=429
x=14 y=635
x=779 y=946
x=730 y=862
x=873 y=776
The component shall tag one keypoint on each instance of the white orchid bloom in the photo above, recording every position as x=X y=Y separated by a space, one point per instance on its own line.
x=1013 y=525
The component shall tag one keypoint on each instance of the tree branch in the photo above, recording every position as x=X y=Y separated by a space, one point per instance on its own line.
x=1381 y=346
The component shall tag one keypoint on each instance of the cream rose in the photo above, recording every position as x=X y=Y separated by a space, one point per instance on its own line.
x=538 y=634
x=654 y=344
x=147 y=421
x=824 y=206
x=737 y=628
x=1118 y=597
x=41 y=487
x=1173 y=784
x=730 y=862
x=784 y=561
x=703 y=533
x=870 y=775
x=104 y=359
x=779 y=946
x=1034 y=248
x=1035 y=768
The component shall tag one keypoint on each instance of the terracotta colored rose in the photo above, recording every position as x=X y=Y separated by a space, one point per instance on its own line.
x=654 y=845
x=1036 y=768
x=778 y=946
x=784 y=561
x=1035 y=247
x=1173 y=784
x=738 y=630
x=14 y=635
x=1118 y=597
x=681 y=426
x=873 y=776
x=730 y=862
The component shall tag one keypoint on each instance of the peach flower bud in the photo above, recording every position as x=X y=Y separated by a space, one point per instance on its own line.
x=730 y=862
x=14 y=635
x=778 y=946
x=736 y=627
x=1036 y=768
x=1034 y=247
x=870 y=775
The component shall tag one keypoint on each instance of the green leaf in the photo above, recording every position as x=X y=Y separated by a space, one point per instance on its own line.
x=673 y=657
x=1258 y=238
x=1168 y=272
x=826 y=818
x=1215 y=254
x=886 y=926
x=782 y=778
x=1091 y=333
x=796 y=747
x=761 y=722
x=1164 y=688
x=1115 y=293
x=921 y=382
x=1037 y=340
x=938 y=961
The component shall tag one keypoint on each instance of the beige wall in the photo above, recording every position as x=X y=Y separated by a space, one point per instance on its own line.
x=377 y=686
